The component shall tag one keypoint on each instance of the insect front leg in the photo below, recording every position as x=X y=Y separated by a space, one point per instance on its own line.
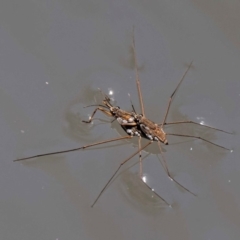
x=108 y=113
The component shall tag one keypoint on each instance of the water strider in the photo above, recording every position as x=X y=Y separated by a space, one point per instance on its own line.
x=138 y=125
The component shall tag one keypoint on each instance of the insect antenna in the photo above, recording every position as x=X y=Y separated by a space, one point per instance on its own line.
x=133 y=108
x=105 y=96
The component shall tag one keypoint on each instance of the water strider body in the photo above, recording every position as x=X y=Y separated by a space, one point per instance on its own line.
x=124 y=118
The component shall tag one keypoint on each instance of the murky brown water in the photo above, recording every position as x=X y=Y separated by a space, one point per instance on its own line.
x=54 y=56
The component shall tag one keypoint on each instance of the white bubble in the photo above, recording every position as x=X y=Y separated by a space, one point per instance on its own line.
x=144 y=179
x=110 y=92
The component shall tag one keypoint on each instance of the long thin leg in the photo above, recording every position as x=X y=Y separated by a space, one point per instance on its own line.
x=164 y=163
x=157 y=194
x=126 y=160
x=141 y=173
x=138 y=161
x=74 y=149
x=171 y=97
x=137 y=76
x=178 y=122
x=94 y=112
x=183 y=135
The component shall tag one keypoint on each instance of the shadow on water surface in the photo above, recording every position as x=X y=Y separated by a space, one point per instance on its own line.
x=96 y=218
x=84 y=132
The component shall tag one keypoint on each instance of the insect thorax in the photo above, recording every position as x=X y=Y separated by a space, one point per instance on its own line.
x=123 y=116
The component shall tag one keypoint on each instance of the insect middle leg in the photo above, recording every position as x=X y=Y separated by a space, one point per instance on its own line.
x=165 y=166
x=189 y=121
x=74 y=149
x=141 y=172
x=117 y=170
x=119 y=167
x=197 y=137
